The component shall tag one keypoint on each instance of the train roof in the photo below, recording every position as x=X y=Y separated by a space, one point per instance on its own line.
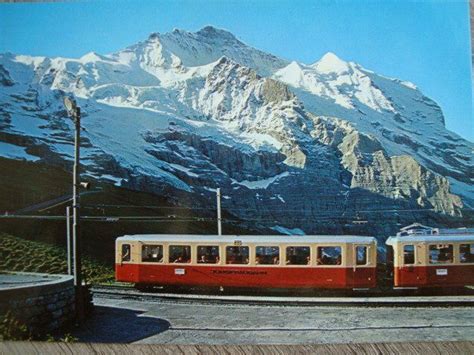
x=431 y=238
x=300 y=239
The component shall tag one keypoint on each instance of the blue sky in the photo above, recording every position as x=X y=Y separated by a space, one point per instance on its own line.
x=426 y=42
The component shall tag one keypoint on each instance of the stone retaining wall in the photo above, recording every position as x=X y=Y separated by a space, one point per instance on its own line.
x=43 y=306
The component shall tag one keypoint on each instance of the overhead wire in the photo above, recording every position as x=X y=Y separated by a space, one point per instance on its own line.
x=168 y=219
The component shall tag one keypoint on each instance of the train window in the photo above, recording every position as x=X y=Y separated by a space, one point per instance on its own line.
x=237 y=255
x=208 y=254
x=466 y=253
x=361 y=255
x=329 y=256
x=298 y=256
x=180 y=254
x=408 y=254
x=152 y=253
x=126 y=255
x=441 y=253
x=267 y=255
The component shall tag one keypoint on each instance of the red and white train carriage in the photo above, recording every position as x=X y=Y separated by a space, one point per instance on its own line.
x=248 y=261
x=432 y=259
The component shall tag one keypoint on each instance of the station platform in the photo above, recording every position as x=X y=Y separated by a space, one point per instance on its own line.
x=16 y=280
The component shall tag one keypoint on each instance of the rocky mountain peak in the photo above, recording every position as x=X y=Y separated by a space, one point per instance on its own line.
x=92 y=57
x=212 y=32
x=206 y=46
x=331 y=63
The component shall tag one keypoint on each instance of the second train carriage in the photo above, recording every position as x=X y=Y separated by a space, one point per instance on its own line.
x=430 y=259
x=248 y=261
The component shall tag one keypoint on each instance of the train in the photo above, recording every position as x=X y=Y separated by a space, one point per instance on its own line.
x=415 y=258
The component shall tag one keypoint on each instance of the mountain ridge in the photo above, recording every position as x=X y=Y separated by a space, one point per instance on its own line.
x=196 y=111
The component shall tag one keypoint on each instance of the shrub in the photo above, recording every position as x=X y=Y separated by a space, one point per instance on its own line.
x=13 y=329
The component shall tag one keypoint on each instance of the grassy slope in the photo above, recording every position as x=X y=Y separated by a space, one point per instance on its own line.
x=17 y=254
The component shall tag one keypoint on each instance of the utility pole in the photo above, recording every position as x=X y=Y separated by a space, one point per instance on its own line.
x=75 y=112
x=219 y=219
x=68 y=239
x=76 y=227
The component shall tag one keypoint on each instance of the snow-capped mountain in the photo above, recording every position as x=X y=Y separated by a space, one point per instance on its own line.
x=291 y=145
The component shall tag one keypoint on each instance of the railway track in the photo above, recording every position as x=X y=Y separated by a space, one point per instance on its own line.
x=129 y=293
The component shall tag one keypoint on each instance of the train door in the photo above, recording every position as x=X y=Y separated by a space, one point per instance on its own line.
x=407 y=272
x=362 y=274
x=388 y=271
x=126 y=268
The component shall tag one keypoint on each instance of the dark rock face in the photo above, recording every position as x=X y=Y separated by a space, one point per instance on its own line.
x=274 y=91
x=5 y=78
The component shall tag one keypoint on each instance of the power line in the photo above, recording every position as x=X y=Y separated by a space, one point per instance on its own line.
x=150 y=206
x=197 y=218
x=280 y=210
x=110 y=218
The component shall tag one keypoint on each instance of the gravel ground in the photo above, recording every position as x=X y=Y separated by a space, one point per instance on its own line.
x=118 y=320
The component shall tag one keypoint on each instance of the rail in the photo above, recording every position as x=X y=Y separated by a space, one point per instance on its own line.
x=163 y=296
